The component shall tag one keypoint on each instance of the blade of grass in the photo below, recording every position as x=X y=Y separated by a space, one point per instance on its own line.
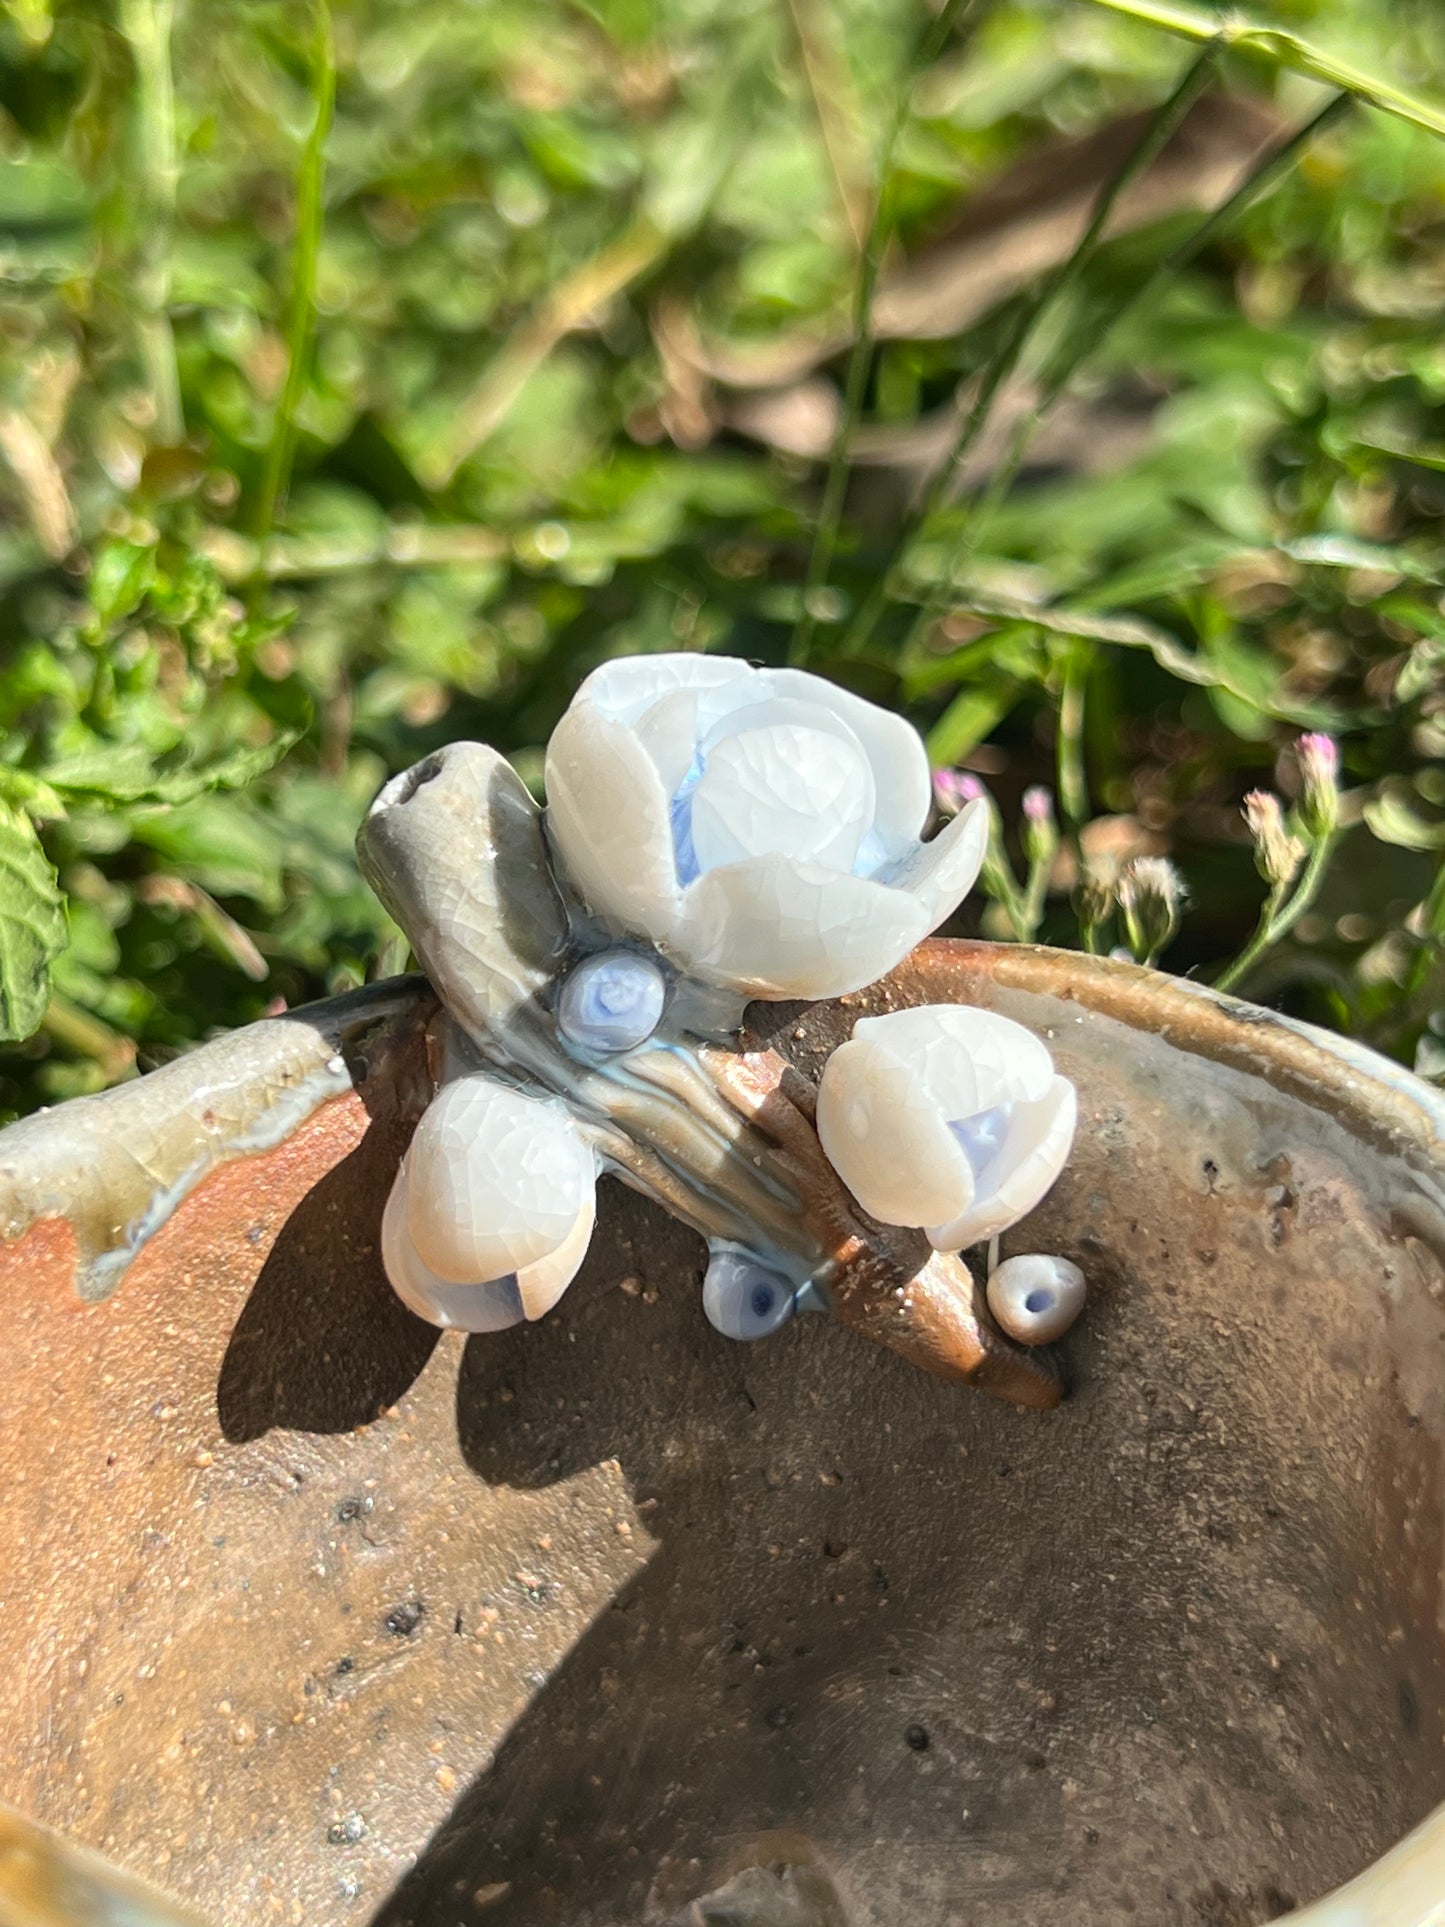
x=835 y=105
x=577 y=295
x=1128 y=632
x=870 y=262
x=1073 y=778
x=1286 y=50
x=1077 y=623
x=404 y=545
x=973 y=714
x=1086 y=342
x=80 y=1031
x=301 y=309
x=1427 y=925
x=1163 y=125
x=146 y=25
x=1004 y=364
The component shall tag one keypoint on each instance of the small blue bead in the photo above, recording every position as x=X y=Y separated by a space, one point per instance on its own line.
x=612 y=1002
x=742 y=1297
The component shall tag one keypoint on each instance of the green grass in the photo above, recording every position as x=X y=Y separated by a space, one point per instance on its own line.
x=367 y=375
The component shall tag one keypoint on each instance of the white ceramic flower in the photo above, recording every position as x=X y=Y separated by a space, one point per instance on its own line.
x=492 y=1209
x=945 y=1118
x=761 y=827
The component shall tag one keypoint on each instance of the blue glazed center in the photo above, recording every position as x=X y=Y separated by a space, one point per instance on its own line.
x=684 y=855
x=612 y=1002
x=982 y=1137
x=871 y=860
x=743 y=1296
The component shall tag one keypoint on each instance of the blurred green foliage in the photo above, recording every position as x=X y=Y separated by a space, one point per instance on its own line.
x=366 y=378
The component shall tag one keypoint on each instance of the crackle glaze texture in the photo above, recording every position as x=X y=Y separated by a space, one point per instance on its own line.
x=761 y=827
x=313 y=1610
x=952 y=1120
x=692 y=1123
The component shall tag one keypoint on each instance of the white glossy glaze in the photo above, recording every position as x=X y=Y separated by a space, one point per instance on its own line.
x=1036 y=1297
x=761 y=827
x=946 y=1118
x=492 y=1209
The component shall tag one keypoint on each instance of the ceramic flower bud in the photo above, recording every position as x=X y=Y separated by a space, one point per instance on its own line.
x=492 y=1210
x=762 y=828
x=945 y=1118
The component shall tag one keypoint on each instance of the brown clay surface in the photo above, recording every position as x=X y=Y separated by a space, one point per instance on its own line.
x=310 y=1615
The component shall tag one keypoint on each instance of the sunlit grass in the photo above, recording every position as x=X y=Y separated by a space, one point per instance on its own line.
x=369 y=377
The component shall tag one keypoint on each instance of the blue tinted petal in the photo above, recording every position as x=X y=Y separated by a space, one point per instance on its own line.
x=680 y=811
x=982 y=1135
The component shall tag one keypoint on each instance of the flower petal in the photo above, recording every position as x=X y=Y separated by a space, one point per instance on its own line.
x=607 y=816
x=541 y=1284
x=624 y=688
x=496 y=1180
x=489 y=1307
x=894 y=750
x=755 y=708
x=888 y=1141
x=782 y=790
x=1033 y=1154
x=779 y=928
x=668 y=731
x=495 y=1304
x=967 y=1060
x=940 y=874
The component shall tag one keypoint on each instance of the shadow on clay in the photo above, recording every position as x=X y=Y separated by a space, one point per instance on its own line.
x=323 y=1343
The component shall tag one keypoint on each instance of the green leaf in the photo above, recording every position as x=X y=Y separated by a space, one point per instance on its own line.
x=1393 y=821
x=221 y=842
x=1421 y=671
x=30 y=792
x=232 y=771
x=1348 y=552
x=32 y=926
x=1286 y=50
x=1421 y=455
x=123 y=572
x=970 y=717
x=127 y=772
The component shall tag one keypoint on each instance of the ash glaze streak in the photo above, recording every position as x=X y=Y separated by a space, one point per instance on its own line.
x=118 y=1165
